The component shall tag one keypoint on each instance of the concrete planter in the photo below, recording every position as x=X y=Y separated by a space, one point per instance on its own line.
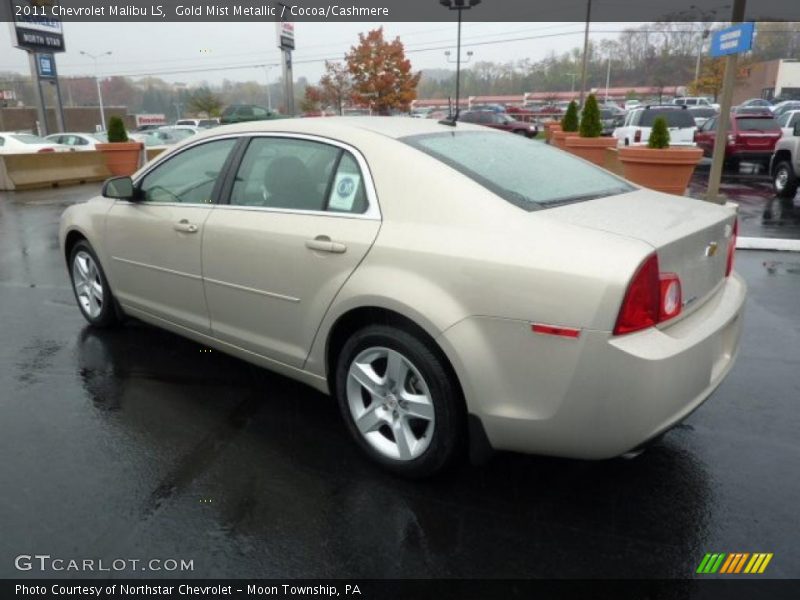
x=665 y=170
x=559 y=137
x=122 y=158
x=550 y=128
x=591 y=149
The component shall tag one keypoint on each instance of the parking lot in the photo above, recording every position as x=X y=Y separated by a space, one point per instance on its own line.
x=135 y=443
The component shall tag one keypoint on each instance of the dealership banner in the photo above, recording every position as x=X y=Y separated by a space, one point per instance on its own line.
x=379 y=11
x=405 y=589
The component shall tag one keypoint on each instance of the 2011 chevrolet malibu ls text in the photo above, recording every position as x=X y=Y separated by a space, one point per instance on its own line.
x=450 y=286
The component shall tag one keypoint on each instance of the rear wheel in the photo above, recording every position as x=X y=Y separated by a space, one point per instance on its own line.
x=784 y=180
x=91 y=287
x=399 y=402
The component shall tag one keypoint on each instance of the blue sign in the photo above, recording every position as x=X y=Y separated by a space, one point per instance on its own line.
x=732 y=40
x=46 y=64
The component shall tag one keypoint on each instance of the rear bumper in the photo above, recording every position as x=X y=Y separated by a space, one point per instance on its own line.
x=598 y=396
x=750 y=155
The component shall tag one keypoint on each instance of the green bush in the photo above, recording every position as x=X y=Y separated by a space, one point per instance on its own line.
x=570 y=120
x=116 y=130
x=591 y=127
x=659 y=136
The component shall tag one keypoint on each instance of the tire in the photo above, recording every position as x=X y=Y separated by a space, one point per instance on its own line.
x=90 y=286
x=784 y=180
x=431 y=428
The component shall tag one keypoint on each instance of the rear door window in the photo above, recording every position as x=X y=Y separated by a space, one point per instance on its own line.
x=674 y=118
x=753 y=124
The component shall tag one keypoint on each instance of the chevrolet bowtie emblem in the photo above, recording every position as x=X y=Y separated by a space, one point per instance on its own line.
x=711 y=249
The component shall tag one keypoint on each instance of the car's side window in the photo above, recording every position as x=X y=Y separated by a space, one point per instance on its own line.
x=189 y=177
x=245 y=111
x=710 y=125
x=298 y=174
x=2 y=141
x=259 y=112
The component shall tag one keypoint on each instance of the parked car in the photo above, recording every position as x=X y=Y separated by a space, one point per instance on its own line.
x=639 y=122
x=486 y=300
x=751 y=138
x=239 y=113
x=755 y=103
x=181 y=132
x=692 y=101
x=498 y=108
x=201 y=123
x=12 y=142
x=785 y=165
x=701 y=114
x=154 y=137
x=610 y=119
x=631 y=104
x=787 y=121
x=78 y=141
x=751 y=110
x=499 y=121
x=785 y=106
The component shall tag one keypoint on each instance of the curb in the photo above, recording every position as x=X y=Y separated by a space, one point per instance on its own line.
x=757 y=243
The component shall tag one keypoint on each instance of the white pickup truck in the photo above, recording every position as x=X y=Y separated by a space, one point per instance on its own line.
x=785 y=164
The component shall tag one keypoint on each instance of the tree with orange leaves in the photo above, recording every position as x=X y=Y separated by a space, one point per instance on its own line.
x=382 y=77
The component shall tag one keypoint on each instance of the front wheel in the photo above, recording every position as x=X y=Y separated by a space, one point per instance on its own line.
x=91 y=287
x=399 y=401
x=784 y=180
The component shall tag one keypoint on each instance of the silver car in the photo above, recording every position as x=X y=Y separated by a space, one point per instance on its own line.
x=453 y=288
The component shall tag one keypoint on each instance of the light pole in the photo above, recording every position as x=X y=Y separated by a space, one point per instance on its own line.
x=94 y=57
x=703 y=37
x=269 y=95
x=573 y=75
x=585 y=49
x=458 y=5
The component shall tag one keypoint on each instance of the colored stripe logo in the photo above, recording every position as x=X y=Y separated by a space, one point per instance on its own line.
x=734 y=563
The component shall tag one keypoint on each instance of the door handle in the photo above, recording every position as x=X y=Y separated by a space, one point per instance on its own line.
x=322 y=243
x=185 y=227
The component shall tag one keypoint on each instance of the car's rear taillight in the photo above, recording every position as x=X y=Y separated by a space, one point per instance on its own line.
x=652 y=297
x=732 y=247
x=45 y=150
x=637 y=136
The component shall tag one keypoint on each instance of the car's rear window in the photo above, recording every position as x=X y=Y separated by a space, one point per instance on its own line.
x=674 y=117
x=527 y=173
x=757 y=124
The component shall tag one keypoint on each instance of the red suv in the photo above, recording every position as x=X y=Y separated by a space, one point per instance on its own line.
x=751 y=138
x=500 y=121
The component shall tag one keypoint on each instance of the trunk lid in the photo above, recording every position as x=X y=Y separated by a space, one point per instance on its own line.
x=690 y=236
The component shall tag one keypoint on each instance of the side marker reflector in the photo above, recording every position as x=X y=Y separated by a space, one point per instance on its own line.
x=567 y=332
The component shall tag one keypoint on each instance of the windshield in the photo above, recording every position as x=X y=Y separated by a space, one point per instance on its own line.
x=26 y=138
x=525 y=173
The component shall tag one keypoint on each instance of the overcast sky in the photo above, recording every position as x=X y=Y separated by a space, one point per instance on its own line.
x=216 y=51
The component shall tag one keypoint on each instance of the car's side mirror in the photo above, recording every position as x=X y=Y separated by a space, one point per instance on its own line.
x=119 y=188
x=797 y=128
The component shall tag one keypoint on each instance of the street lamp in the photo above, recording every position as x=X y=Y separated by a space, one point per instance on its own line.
x=458 y=5
x=94 y=57
x=466 y=60
x=269 y=96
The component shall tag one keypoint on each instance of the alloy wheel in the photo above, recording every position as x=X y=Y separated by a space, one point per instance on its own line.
x=390 y=403
x=87 y=283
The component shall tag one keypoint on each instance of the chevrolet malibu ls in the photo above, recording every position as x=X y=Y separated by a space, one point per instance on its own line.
x=452 y=287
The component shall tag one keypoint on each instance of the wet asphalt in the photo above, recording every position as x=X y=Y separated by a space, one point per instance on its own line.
x=134 y=443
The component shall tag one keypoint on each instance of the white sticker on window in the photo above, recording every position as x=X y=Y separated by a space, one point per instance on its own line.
x=344 y=191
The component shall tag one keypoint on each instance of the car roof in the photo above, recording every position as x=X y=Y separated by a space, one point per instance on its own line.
x=342 y=127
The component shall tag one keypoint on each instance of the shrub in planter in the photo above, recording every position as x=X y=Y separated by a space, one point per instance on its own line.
x=658 y=166
x=570 y=120
x=589 y=145
x=122 y=155
x=116 y=131
x=569 y=125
